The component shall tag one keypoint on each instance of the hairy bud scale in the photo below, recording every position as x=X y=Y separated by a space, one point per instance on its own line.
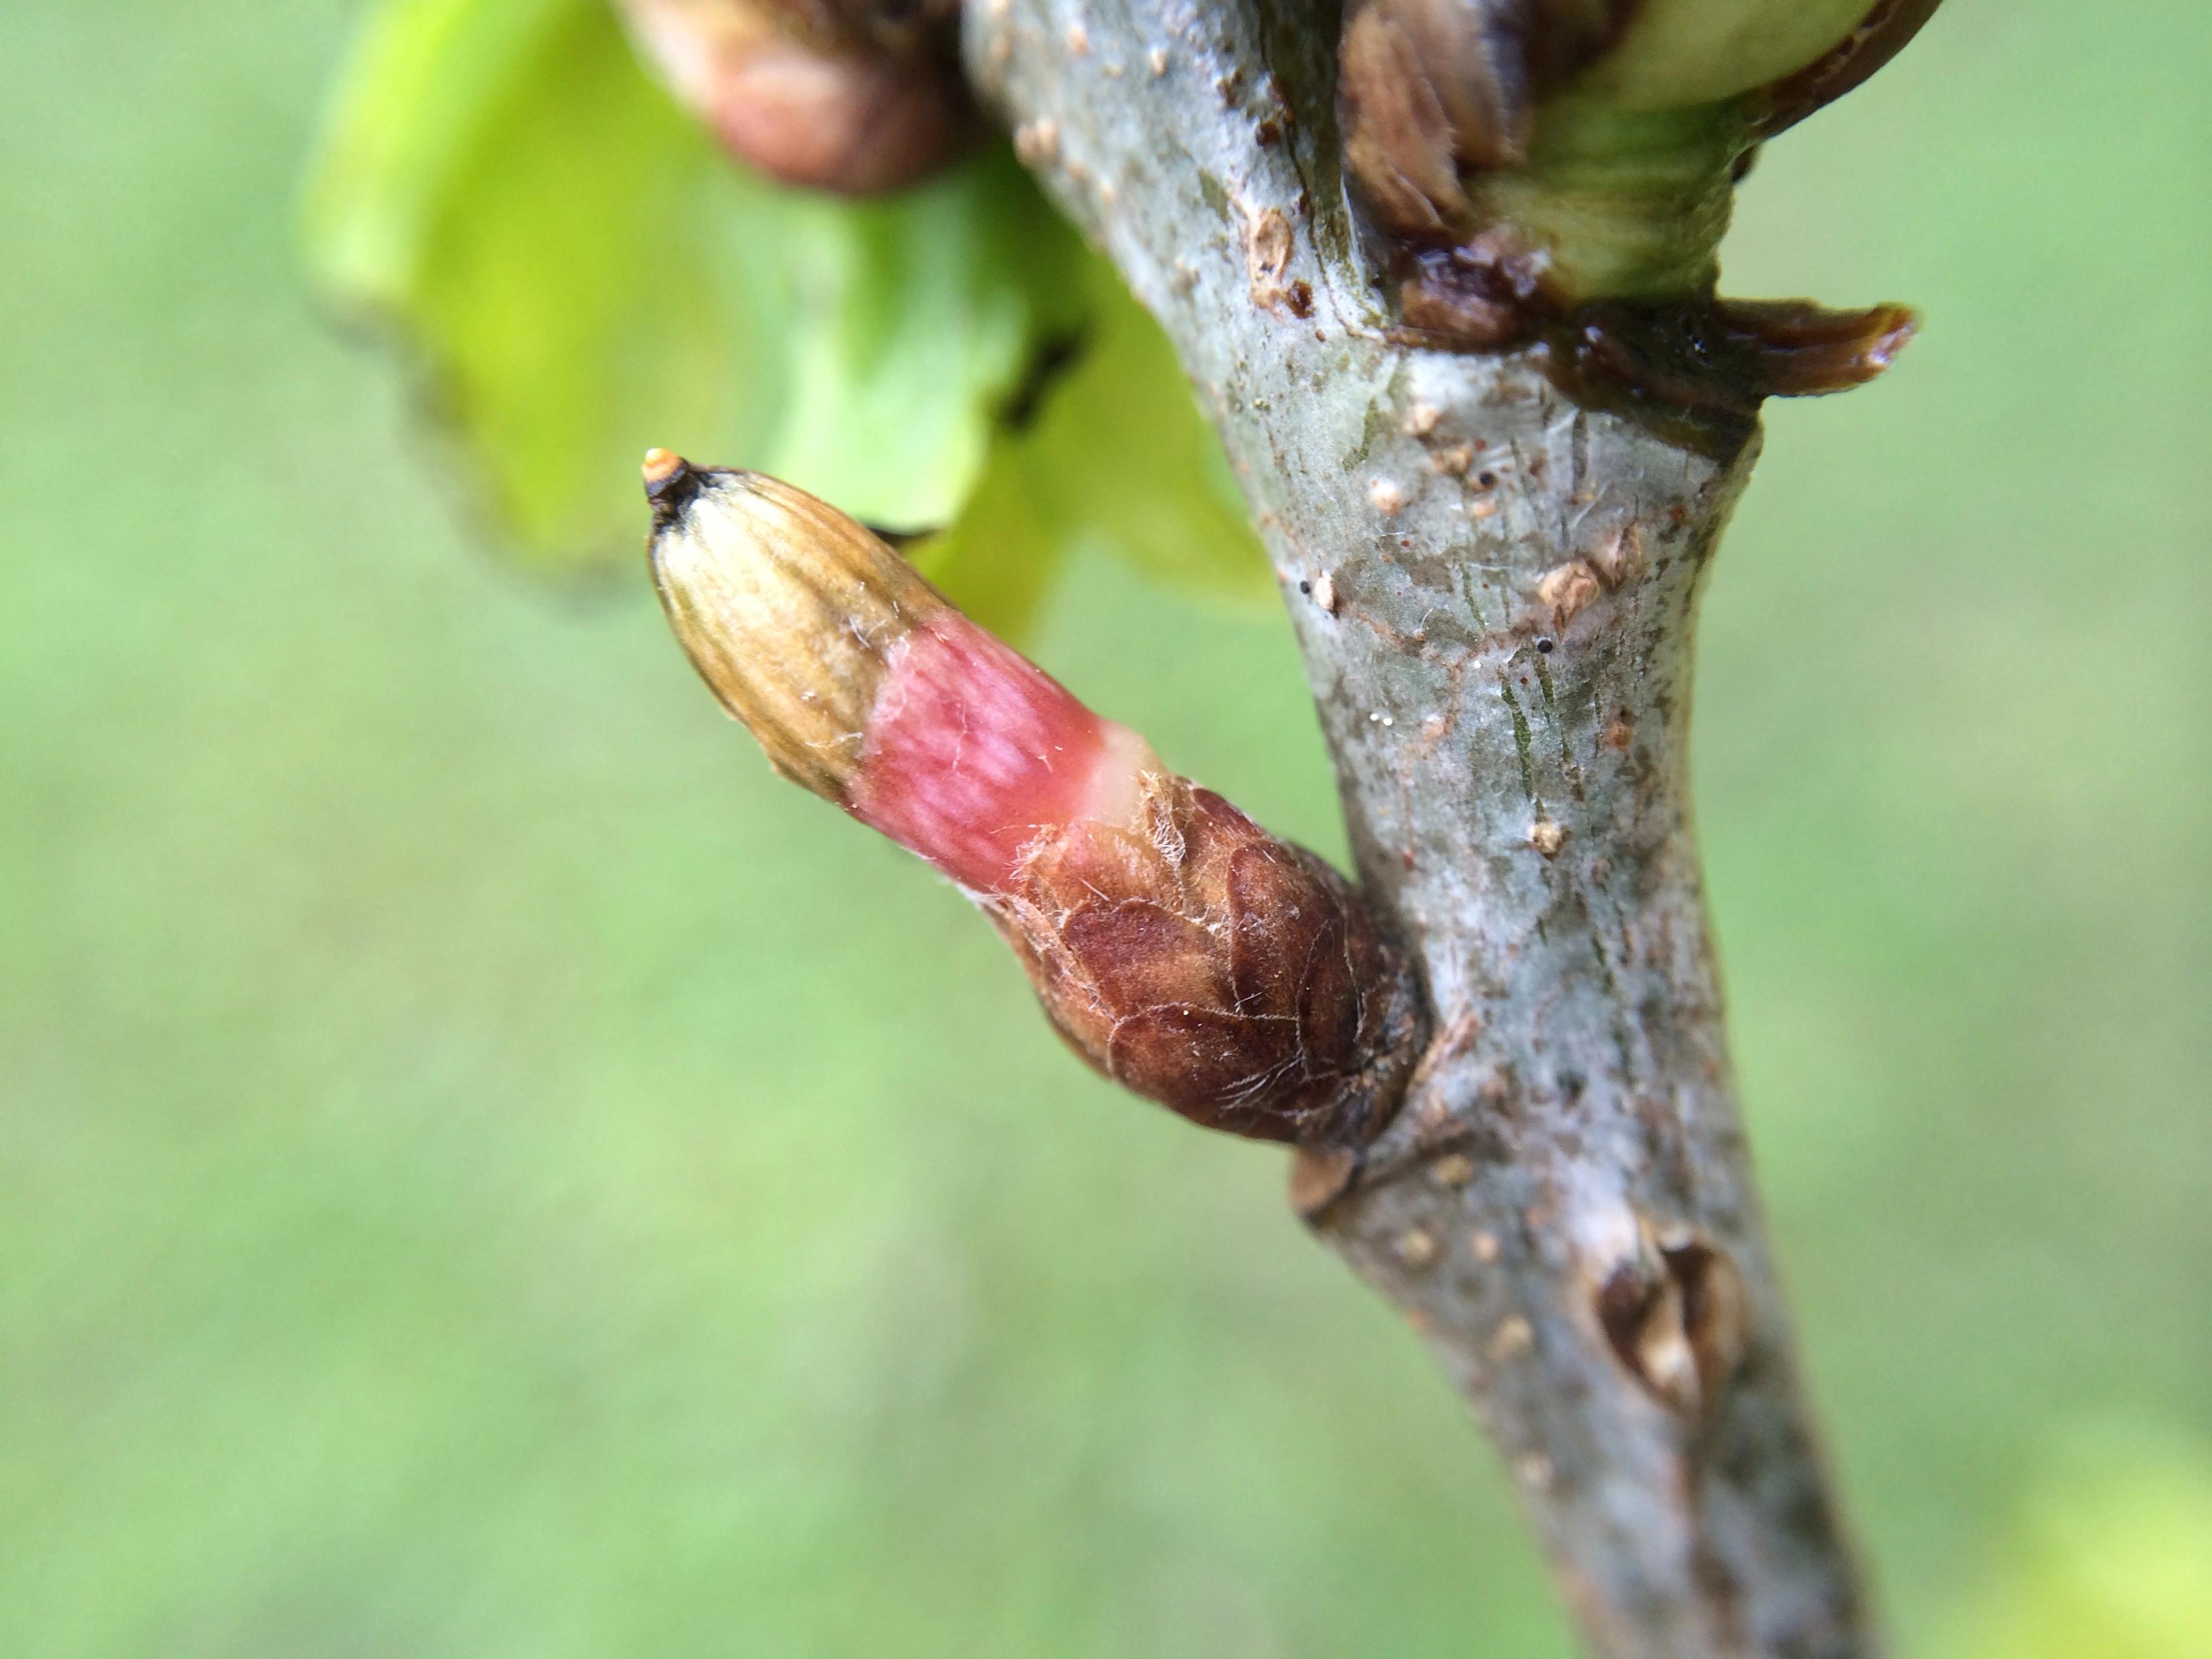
x=1194 y=957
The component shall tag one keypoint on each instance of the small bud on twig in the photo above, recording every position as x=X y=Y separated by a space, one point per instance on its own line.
x=1178 y=946
x=1560 y=172
x=849 y=98
x=1429 y=88
x=1674 y=1315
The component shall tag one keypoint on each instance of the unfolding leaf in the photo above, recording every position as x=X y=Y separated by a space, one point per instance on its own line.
x=915 y=318
x=1115 y=455
x=500 y=184
x=582 y=274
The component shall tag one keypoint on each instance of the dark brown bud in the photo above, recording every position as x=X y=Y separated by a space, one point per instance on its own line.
x=1194 y=957
x=857 y=99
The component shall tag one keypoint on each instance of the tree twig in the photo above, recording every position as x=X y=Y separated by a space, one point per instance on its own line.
x=1494 y=591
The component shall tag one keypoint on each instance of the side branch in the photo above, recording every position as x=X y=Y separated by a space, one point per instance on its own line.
x=1494 y=590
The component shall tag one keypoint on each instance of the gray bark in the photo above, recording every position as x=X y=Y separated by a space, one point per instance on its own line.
x=1494 y=592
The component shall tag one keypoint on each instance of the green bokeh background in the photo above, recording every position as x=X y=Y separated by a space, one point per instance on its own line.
x=485 y=1170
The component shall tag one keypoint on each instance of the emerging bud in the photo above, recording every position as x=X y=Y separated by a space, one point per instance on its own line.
x=1429 y=88
x=854 y=101
x=1178 y=947
x=1563 y=170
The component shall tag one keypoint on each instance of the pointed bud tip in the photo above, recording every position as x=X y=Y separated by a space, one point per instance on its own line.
x=671 y=483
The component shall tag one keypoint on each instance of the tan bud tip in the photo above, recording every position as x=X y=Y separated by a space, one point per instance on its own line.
x=791 y=611
x=671 y=484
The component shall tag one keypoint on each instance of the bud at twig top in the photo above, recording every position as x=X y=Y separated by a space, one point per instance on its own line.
x=1530 y=157
x=856 y=98
x=1178 y=947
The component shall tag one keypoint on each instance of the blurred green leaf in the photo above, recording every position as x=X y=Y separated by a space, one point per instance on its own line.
x=916 y=317
x=499 y=183
x=2114 y=1560
x=583 y=274
x=999 y=562
x=1114 y=453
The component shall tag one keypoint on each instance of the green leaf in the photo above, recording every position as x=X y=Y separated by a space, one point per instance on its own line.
x=582 y=274
x=2112 y=1559
x=916 y=317
x=1118 y=456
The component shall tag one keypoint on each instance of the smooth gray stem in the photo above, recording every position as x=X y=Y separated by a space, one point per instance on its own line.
x=1495 y=592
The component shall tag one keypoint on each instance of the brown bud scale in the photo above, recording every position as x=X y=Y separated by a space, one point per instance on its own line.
x=1700 y=369
x=1196 y=959
x=845 y=95
x=1428 y=90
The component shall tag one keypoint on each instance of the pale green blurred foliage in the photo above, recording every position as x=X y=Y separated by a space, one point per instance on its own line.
x=1113 y=462
x=575 y=273
x=487 y=1170
x=2113 y=1560
x=581 y=274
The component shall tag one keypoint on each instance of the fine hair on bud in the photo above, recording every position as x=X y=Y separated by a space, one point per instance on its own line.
x=1195 y=958
x=1176 y=945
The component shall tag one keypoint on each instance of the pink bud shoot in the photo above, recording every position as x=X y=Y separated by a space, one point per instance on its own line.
x=1177 y=946
x=973 y=752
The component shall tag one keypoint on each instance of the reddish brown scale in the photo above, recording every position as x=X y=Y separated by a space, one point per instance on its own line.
x=1194 y=957
x=1701 y=369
